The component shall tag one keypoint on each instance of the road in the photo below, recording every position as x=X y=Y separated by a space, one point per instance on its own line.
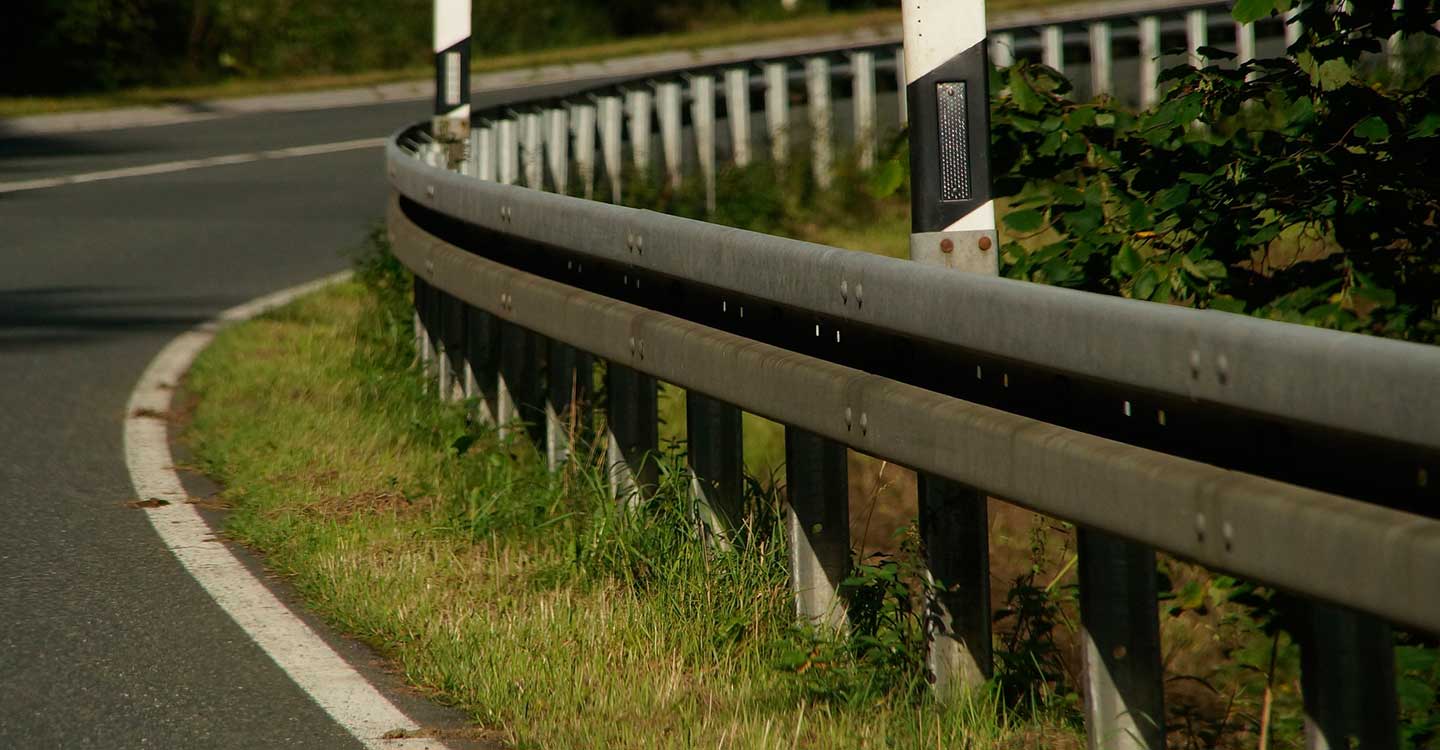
x=105 y=641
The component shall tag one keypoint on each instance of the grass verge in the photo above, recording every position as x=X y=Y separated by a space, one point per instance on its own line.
x=527 y=598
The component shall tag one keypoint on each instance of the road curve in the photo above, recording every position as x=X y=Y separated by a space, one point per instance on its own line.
x=105 y=641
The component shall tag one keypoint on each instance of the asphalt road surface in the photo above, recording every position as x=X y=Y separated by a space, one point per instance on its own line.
x=105 y=641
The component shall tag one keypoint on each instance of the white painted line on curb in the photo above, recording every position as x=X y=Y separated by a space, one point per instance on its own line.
x=332 y=683
x=185 y=165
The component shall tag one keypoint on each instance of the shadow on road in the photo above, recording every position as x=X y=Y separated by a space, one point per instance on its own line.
x=46 y=317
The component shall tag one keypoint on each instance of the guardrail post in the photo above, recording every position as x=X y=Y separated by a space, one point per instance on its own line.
x=952 y=226
x=822 y=123
x=900 y=86
x=667 y=102
x=1244 y=43
x=519 y=399
x=702 y=120
x=1149 y=31
x=570 y=377
x=611 y=142
x=507 y=156
x=1052 y=47
x=1196 y=36
x=1002 y=49
x=584 y=120
x=451 y=42
x=638 y=101
x=1102 y=72
x=557 y=148
x=485 y=152
x=481 y=362
x=633 y=440
x=737 y=110
x=1120 y=624
x=423 y=347
x=777 y=110
x=817 y=522
x=1347 y=677
x=862 y=95
x=717 y=464
x=531 y=146
x=452 y=342
x=1293 y=28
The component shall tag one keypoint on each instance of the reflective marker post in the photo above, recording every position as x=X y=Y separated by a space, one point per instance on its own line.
x=947 y=70
x=451 y=36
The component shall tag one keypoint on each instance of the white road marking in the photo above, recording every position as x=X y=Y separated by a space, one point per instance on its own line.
x=332 y=683
x=185 y=165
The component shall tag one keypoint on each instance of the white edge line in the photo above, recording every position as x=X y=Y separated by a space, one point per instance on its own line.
x=307 y=659
x=186 y=165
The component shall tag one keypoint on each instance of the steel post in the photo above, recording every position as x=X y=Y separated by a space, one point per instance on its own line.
x=702 y=122
x=584 y=126
x=667 y=105
x=641 y=126
x=481 y=362
x=1197 y=35
x=900 y=86
x=508 y=156
x=531 y=148
x=822 y=120
x=1149 y=31
x=1002 y=49
x=1052 y=47
x=557 y=148
x=611 y=142
x=817 y=522
x=862 y=95
x=519 y=401
x=717 y=464
x=777 y=110
x=485 y=152
x=1347 y=678
x=1102 y=72
x=633 y=439
x=1120 y=649
x=570 y=377
x=737 y=110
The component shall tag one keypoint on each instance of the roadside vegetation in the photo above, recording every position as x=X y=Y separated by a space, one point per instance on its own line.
x=1299 y=191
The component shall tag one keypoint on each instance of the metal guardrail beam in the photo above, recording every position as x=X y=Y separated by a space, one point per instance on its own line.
x=1335 y=380
x=1298 y=539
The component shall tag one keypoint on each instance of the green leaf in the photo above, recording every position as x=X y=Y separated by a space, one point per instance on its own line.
x=1250 y=11
x=1226 y=303
x=1145 y=283
x=1024 y=95
x=1332 y=75
x=1027 y=220
x=1427 y=126
x=1173 y=197
x=1372 y=128
x=1127 y=261
x=887 y=179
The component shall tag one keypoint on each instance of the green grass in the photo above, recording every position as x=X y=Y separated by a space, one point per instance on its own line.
x=525 y=598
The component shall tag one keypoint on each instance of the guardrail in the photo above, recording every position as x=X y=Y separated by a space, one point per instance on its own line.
x=1298 y=457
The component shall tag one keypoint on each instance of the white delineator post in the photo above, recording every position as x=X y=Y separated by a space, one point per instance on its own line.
x=451 y=37
x=947 y=70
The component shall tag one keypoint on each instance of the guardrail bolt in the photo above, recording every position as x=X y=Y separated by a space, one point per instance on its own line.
x=849 y=418
x=1222 y=369
x=632 y=346
x=1228 y=532
x=984 y=244
x=430 y=191
x=947 y=246
x=844 y=292
x=1199 y=527
x=864 y=423
x=1422 y=477
x=860 y=295
x=1195 y=363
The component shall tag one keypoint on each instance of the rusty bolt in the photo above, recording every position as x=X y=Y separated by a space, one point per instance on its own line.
x=984 y=244
x=946 y=246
